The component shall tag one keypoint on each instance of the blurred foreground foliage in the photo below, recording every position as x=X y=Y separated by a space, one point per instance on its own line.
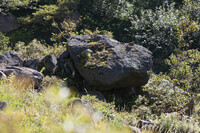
x=51 y=110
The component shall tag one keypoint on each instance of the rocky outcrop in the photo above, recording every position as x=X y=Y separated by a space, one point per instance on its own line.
x=8 y=22
x=11 y=59
x=11 y=63
x=26 y=77
x=107 y=64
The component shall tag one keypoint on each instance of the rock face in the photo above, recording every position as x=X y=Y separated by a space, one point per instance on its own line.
x=25 y=76
x=64 y=65
x=11 y=59
x=7 y=22
x=49 y=62
x=108 y=64
x=32 y=63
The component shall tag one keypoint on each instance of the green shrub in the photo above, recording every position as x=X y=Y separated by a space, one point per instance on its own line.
x=101 y=32
x=185 y=65
x=4 y=42
x=192 y=9
x=185 y=70
x=165 y=97
x=36 y=22
x=155 y=31
x=36 y=49
x=15 y=3
x=141 y=109
x=108 y=8
x=45 y=12
x=175 y=122
x=188 y=34
x=69 y=29
x=68 y=4
x=153 y=4
x=107 y=15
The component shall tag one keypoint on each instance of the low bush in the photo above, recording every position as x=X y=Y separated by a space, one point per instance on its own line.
x=185 y=70
x=4 y=43
x=36 y=49
x=164 y=97
x=178 y=123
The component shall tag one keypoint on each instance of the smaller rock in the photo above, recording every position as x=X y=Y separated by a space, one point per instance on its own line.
x=135 y=129
x=64 y=55
x=49 y=62
x=25 y=77
x=11 y=59
x=3 y=104
x=8 y=22
x=32 y=63
x=145 y=123
x=83 y=103
x=2 y=76
x=112 y=116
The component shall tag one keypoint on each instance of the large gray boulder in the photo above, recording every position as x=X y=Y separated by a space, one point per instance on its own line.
x=108 y=64
x=11 y=59
x=26 y=77
x=8 y=22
